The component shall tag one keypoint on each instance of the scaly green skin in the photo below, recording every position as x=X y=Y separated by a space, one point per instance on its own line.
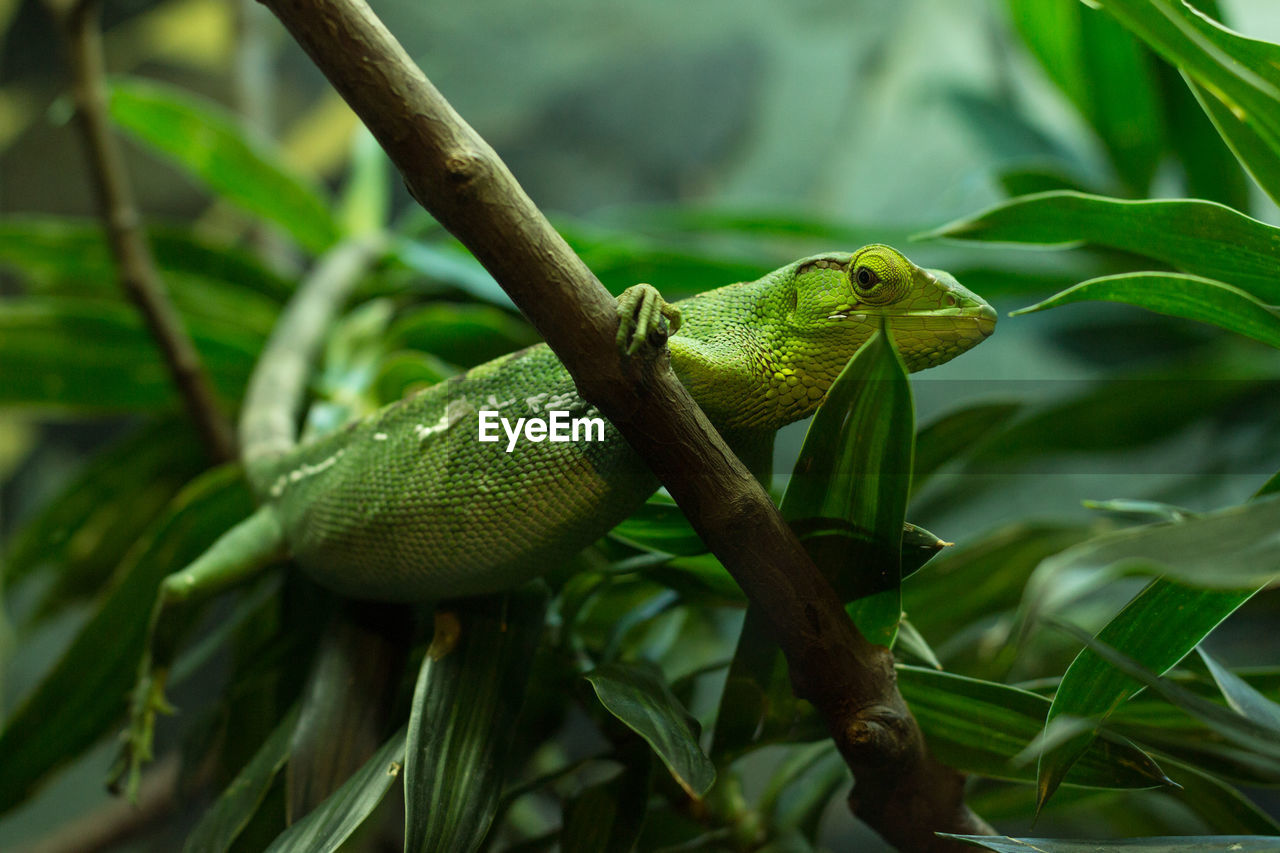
x=408 y=505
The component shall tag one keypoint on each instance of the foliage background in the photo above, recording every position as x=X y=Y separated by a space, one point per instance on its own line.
x=690 y=145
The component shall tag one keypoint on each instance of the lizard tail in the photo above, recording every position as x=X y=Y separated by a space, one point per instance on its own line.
x=278 y=385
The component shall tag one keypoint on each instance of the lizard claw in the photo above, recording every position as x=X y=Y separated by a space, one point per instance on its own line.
x=644 y=316
x=136 y=740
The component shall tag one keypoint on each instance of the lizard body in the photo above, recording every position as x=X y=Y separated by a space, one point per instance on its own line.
x=407 y=504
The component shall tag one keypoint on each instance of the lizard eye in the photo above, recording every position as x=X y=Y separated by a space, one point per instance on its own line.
x=866 y=278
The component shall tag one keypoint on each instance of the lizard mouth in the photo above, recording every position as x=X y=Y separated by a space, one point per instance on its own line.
x=980 y=319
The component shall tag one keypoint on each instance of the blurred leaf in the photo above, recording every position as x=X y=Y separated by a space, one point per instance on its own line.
x=1241 y=73
x=802 y=788
x=452 y=266
x=1198 y=237
x=911 y=642
x=661 y=526
x=209 y=143
x=982 y=726
x=86 y=356
x=464 y=334
x=72 y=256
x=1253 y=151
x=332 y=823
x=982 y=578
x=1211 y=168
x=405 y=372
x=230 y=813
x=1229 y=549
x=1158 y=628
x=1220 y=806
x=1128 y=506
x=855 y=467
x=638 y=695
x=366 y=198
x=1241 y=696
x=954 y=434
x=1260 y=735
x=86 y=528
x=1187 y=296
x=85 y=692
x=346 y=703
x=607 y=816
x=1106 y=73
x=463 y=721
x=1165 y=844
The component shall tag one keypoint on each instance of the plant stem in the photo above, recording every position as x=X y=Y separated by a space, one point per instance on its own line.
x=81 y=32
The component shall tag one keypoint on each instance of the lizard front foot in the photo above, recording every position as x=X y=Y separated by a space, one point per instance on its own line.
x=644 y=316
x=135 y=749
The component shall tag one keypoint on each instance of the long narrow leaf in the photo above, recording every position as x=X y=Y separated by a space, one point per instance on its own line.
x=210 y=144
x=85 y=693
x=1203 y=238
x=1186 y=296
x=1162 y=844
x=1159 y=627
x=463 y=722
x=333 y=821
x=639 y=696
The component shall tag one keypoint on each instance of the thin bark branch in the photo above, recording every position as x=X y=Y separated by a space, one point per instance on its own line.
x=81 y=32
x=902 y=791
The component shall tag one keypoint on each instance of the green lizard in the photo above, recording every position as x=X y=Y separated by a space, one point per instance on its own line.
x=408 y=505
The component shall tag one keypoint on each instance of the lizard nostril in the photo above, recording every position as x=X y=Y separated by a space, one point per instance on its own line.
x=951 y=300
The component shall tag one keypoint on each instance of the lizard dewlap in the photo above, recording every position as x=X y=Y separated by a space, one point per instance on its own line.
x=433 y=497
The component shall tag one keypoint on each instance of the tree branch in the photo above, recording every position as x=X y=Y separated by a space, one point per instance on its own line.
x=78 y=23
x=902 y=791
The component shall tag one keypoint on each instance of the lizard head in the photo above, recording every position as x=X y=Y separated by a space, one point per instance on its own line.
x=839 y=300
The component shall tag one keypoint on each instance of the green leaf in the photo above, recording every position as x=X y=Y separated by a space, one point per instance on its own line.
x=354 y=680
x=608 y=816
x=983 y=726
x=1249 y=147
x=1159 y=627
x=1211 y=167
x=464 y=334
x=1186 y=296
x=1162 y=844
x=1260 y=735
x=660 y=525
x=639 y=696
x=366 y=197
x=72 y=256
x=90 y=356
x=1243 y=74
x=1230 y=549
x=208 y=142
x=333 y=821
x=1241 y=696
x=1219 y=805
x=1106 y=73
x=85 y=693
x=855 y=467
x=86 y=528
x=222 y=823
x=451 y=266
x=954 y=434
x=1202 y=238
x=463 y=722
